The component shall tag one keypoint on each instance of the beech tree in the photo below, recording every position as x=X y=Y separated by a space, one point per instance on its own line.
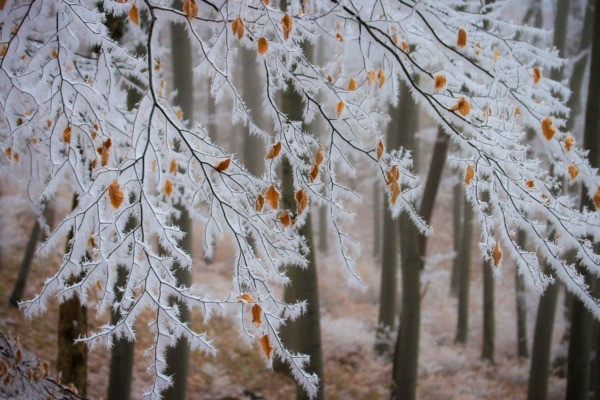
x=64 y=120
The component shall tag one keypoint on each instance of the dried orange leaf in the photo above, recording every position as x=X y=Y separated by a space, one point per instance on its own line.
x=320 y=157
x=272 y=196
x=405 y=46
x=66 y=136
x=537 y=75
x=597 y=199
x=530 y=184
x=517 y=111
x=461 y=40
x=381 y=77
x=260 y=202
x=238 y=27
x=573 y=171
x=569 y=141
x=463 y=106
x=267 y=347
x=380 y=149
x=548 y=128
x=470 y=174
x=301 y=200
x=274 y=151
x=245 y=298
x=497 y=254
x=115 y=194
x=266 y=2
x=190 y=8
x=339 y=37
x=223 y=165
x=263 y=45
x=134 y=14
x=285 y=218
x=173 y=166
x=98 y=285
x=286 y=22
x=392 y=175
x=440 y=82
x=168 y=187
x=256 y=314
x=496 y=55
x=371 y=77
x=339 y=108
x=352 y=84
x=395 y=188
x=314 y=172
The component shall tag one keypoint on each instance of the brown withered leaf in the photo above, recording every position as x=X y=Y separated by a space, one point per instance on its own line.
x=597 y=199
x=238 y=27
x=497 y=254
x=381 y=77
x=173 y=166
x=463 y=106
x=573 y=171
x=272 y=196
x=496 y=55
x=461 y=40
x=266 y=2
x=339 y=37
x=263 y=45
x=285 y=218
x=440 y=82
x=339 y=108
x=380 y=149
x=2 y=4
x=314 y=172
x=395 y=189
x=223 y=165
x=530 y=184
x=260 y=202
x=469 y=175
x=351 y=84
x=569 y=141
x=257 y=314
x=371 y=77
x=267 y=347
x=548 y=128
x=134 y=14
x=168 y=187
x=66 y=136
x=274 y=151
x=104 y=157
x=245 y=298
x=190 y=8
x=115 y=194
x=537 y=75
x=286 y=23
x=301 y=200
x=405 y=46
x=392 y=175
x=320 y=155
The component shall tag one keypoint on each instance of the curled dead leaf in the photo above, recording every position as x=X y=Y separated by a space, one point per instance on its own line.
x=381 y=77
x=537 y=75
x=285 y=218
x=320 y=157
x=339 y=37
x=469 y=175
x=597 y=199
x=134 y=14
x=395 y=189
x=405 y=46
x=463 y=106
x=115 y=194
x=238 y=28
x=352 y=84
x=190 y=8
x=301 y=200
x=573 y=171
x=66 y=136
x=497 y=254
x=392 y=175
x=260 y=203
x=272 y=196
x=314 y=172
x=245 y=298
x=274 y=151
x=339 y=108
x=440 y=82
x=286 y=23
x=370 y=77
x=380 y=149
x=173 y=166
x=530 y=184
x=223 y=165
x=496 y=55
x=257 y=314
x=548 y=128
x=267 y=347
x=461 y=40
x=569 y=141
x=263 y=45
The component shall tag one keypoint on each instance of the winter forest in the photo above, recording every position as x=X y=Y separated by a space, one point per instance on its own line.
x=310 y=199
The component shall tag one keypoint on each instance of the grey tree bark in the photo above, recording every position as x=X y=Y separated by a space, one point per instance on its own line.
x=462 y=327
x=457 y=201
x=489 y=322
x=578 y=373
x=521 y=305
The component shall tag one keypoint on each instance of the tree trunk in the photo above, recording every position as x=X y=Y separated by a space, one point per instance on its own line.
x=389 y=260
x=177 y=357
x=252 y=89
x=323 y=245
x=578 y=373
x=377 y=215
x=72 y=324
x=521 y=305
x=489 y=324
x=457 y=194
x=303 y=334
x=414 y=250
x=542 y=344
x=462 y=327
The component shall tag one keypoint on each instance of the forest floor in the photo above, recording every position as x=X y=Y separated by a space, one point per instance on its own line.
x=349 y=317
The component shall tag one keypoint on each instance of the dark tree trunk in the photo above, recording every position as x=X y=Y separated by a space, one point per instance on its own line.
x=251 y=86
x=489 y=322
x=72 y=324
x=457 y=194
x=578 y=373
x=521 y=305
x=414 y=250
x=462 y=327
x=389 y=260
x=177 y=357
x=542 y=344
x=377 y=215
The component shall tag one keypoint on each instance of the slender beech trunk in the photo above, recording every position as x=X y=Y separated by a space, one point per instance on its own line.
x=462 y=327
x=414 y=249
x=521 y=305
x=489 y=321
x=389 y=260
x=303 y=334
x=177 y=357
x=457 y=197
x=72 y=324
x=578 y=373
x=544 y=326
x=542 y=344
x=252 y=89
x=377 y=215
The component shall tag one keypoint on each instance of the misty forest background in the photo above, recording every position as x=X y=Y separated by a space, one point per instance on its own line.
x=480 y=336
